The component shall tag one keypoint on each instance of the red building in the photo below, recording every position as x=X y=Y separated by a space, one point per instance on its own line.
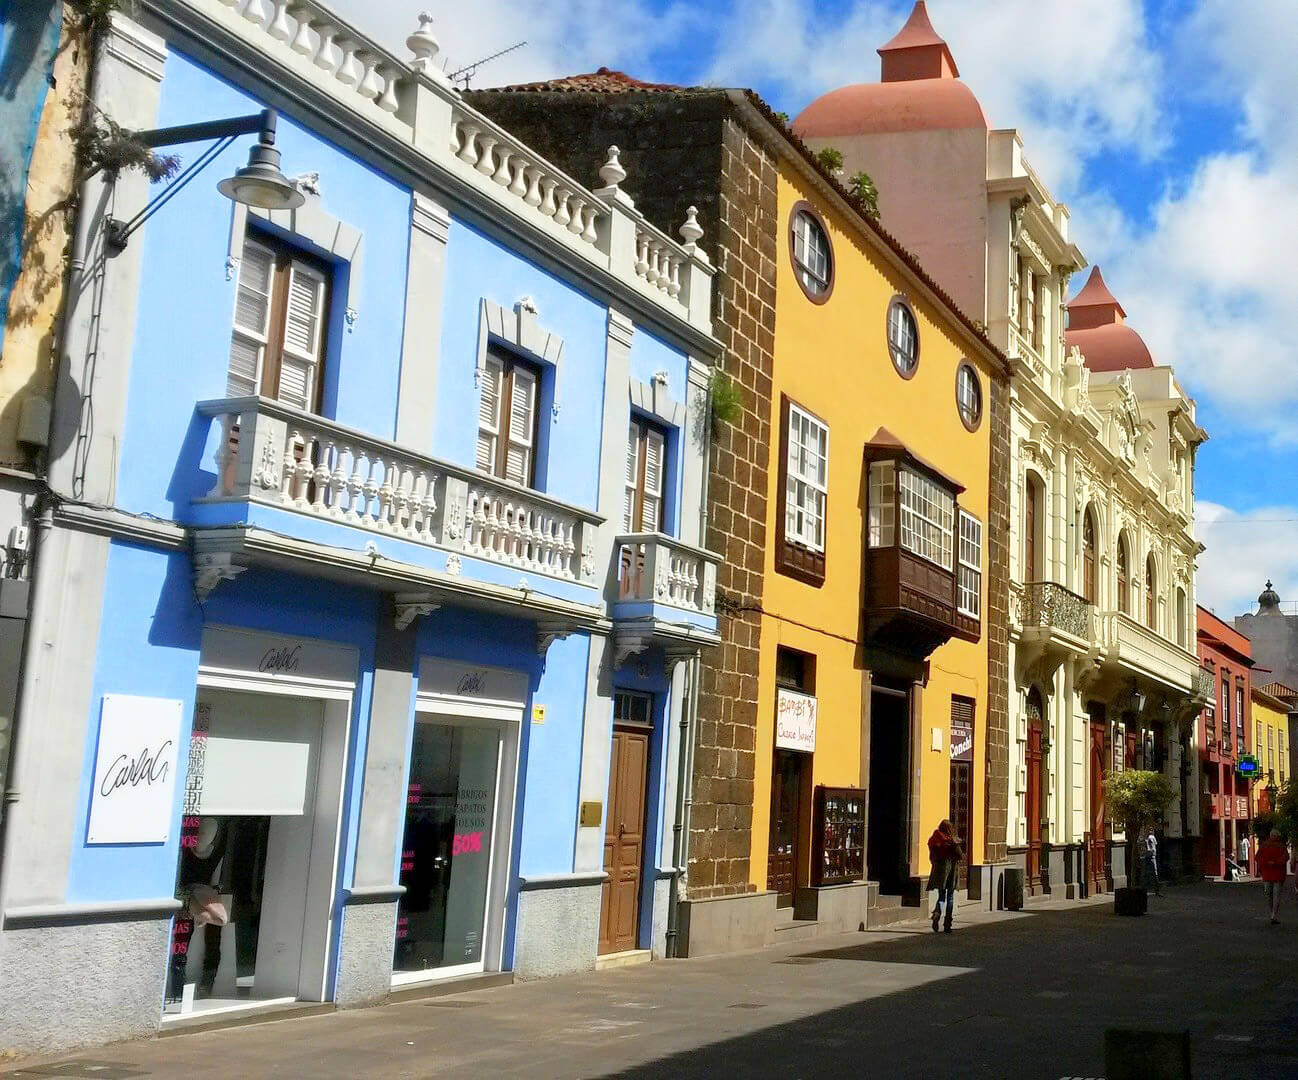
x=1224 y=732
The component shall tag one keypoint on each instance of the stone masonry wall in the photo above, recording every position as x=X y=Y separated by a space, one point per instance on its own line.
x=683 y=149
x=998 y=640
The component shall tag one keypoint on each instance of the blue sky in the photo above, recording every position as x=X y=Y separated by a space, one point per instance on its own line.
x=1168 y=126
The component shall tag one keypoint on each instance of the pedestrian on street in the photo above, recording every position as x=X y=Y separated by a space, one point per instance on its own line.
x=1243 y=852
x=1151 y=863
x=1272 y=864
x=944 y=852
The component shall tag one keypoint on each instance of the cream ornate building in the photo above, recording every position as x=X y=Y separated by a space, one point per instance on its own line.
x=1102 y=611
x=1101 y=461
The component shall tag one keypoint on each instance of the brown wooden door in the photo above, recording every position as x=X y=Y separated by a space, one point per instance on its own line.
x=1030 y=531
x=1032 y=799
x=786 y=814
x=1099 y=769
x=961 y=814
x=628 y=777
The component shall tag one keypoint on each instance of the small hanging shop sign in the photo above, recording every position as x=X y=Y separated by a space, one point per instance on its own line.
x=795 y=721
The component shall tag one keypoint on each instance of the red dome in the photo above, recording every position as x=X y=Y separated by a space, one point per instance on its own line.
x=875 y=108
x=1097 y=325
x=1115 y=347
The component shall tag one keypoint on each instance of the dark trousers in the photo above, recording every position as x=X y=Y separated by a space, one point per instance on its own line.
x=180 y=940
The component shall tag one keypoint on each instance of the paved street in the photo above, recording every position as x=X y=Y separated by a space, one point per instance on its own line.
x=1025 y=995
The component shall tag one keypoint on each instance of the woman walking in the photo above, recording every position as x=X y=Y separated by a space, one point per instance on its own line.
x=945 y=852
x=1272 y=863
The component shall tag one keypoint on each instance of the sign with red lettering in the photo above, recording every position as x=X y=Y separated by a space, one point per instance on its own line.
x=134 y=782
x=795 y=721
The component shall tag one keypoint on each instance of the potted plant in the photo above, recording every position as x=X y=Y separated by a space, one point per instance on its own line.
x=1137 y=800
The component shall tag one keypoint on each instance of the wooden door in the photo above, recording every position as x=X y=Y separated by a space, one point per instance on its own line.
x=961 y=814
x=628 y=778
x=1032 y=799
x=786 y=814
x=1099 y=770
x=1030 y=531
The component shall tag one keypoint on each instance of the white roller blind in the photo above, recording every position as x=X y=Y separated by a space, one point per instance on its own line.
x=260 y=756
x=489 y=415
x=522 y=409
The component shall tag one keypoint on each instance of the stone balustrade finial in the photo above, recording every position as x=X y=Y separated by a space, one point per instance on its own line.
x=692 y=232
x=424 y=44
x=612 y=172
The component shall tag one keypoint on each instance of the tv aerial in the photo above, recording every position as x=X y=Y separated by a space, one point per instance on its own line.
x=467 y=72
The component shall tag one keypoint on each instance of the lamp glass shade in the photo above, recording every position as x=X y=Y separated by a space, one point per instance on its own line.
x=261 y=184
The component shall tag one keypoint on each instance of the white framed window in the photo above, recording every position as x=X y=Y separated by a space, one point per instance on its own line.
x=926 y=517
x=968 y=396
x=813 y=261
x=903 y=338
x=645 y=464
x=278 y=343
x=806 y=486
x=883 y=500
x=507 y=418
x=969 y=569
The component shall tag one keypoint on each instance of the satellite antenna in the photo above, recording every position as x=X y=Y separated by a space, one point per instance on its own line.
x=467 y=72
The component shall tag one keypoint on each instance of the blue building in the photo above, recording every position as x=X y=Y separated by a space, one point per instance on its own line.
x=369 y=596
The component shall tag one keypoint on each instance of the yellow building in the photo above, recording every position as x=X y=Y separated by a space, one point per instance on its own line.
x=873 y=679
x=1270 y=743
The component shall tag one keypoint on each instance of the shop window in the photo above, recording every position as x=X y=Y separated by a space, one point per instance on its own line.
x=507 y=417
x=804 y=493
x=278 y=345
x=838 y=836
x=448 y=847
x=795 y=670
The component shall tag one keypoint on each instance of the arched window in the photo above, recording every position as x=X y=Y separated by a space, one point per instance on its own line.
x=1088 y=557
x=1032 y=518
x=1124 y=576
x=1181 y=627
x=1151 y=593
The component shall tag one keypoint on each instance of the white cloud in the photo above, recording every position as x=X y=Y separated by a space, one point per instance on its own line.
x=1242 y=552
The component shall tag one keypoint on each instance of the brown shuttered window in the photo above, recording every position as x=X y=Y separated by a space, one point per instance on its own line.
x=507 y=418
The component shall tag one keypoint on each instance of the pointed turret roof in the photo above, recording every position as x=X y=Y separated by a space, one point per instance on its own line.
x=917 y=52
x=1094 y=305
x=1097 y=326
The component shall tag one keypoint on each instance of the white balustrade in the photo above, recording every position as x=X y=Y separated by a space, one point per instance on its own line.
x=652 y=568
x=269 y=453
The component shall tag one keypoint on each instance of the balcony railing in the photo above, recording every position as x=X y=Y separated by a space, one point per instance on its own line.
x=653 y=568
x=279 y=456
x=1139 y=648
x=1021 y=346
x=1052 y=607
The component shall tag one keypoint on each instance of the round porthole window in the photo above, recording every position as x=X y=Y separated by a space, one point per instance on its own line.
x=968 y=396
x=903 y=338
x=813 y=258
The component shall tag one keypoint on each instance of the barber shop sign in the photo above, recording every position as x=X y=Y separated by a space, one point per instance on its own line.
x=135 y=770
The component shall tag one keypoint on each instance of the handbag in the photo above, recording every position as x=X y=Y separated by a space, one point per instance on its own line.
x=206 y=908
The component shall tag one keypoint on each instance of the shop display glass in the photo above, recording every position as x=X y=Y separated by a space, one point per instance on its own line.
x=447 y=854
x=838 y=843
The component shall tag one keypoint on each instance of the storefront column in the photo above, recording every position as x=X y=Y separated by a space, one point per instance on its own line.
x=370 y=913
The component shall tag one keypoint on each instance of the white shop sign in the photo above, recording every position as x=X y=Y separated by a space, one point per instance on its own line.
x=474 y=690
x=276 y=657
x=135 y=770
x=795 y=721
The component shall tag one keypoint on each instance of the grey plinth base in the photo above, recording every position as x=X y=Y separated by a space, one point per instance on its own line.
x=365 y=954
x=836 y=908
x=63 y=987
x=727 y=923
x=558 y=930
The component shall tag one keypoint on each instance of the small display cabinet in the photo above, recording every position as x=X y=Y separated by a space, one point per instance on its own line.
x=838 y=836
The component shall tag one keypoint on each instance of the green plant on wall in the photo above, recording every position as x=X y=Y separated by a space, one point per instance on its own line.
x=727 y=400
x=1137 y=800
x=863 y=189
x=830 y=158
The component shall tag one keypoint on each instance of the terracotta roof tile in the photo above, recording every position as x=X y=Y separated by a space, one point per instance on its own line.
x=603 y=81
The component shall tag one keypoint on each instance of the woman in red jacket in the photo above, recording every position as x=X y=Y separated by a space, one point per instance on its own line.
x=945 y=852
x=1272 y=864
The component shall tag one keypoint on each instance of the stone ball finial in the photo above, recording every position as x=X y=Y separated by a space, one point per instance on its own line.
x=1269 y=599
x=691 y=231
x=423 y=43
x=612 y=172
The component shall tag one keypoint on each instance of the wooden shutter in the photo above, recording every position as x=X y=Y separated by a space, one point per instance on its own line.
x=629 y=514
x=652 y=502
x=251 y=320
x=522 y=418
x=489 y=414
x=303 y=307
x=1030 y=532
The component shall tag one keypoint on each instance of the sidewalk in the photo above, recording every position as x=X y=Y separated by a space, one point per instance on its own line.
x=1025 y=994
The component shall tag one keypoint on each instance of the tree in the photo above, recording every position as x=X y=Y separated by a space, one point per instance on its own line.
x=1137 y=800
